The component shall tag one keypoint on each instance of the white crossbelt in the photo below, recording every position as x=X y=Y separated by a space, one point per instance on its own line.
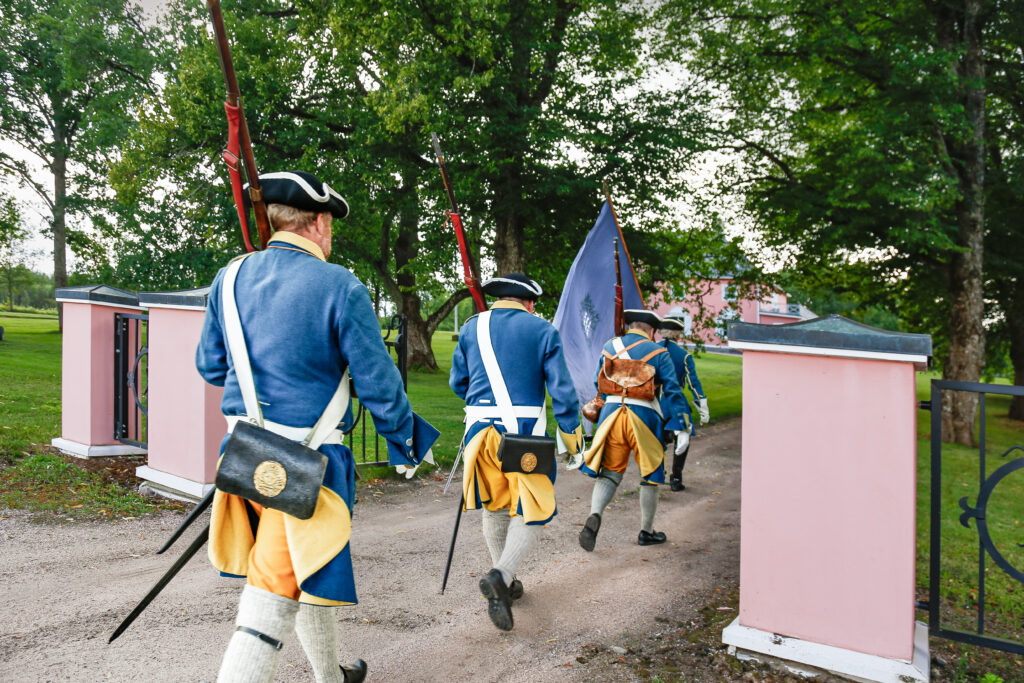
x=619 y=347
x=334 y=436
x=503 y=410
x=324 y=431
x=653 y=405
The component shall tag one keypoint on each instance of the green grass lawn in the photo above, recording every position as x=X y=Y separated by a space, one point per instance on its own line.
x=29 y=382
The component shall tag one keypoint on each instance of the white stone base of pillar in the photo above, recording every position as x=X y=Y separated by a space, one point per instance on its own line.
x=171 y=485
x=803 y=657
x=82 y=450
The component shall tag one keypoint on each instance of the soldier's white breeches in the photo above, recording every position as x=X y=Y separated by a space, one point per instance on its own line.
x=264 y=619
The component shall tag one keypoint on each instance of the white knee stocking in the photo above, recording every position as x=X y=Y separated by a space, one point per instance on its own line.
x=495 y=531
x=648 y=506
x=315 y=627
x=604 y=491
x=249 y=658
x=522 y=538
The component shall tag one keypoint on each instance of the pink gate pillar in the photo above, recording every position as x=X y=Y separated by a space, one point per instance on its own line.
x=87 y=370
x=827 y=542
x=185 y=422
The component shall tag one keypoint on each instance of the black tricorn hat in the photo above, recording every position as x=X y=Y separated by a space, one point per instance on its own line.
x=638 y=315
x=300 y=190
x=515 y=285
x=670 y=323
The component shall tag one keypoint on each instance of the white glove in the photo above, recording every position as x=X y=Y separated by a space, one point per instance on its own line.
x=409 y=471
x=574 y=462
x=702 y=408
x=682 y=441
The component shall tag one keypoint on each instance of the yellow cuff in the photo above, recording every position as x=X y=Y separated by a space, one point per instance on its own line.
x=574 y=441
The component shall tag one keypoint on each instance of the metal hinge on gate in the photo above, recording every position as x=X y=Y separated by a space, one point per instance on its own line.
x=924 y=405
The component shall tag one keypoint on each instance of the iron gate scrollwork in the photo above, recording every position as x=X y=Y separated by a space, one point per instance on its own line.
x=131 y=378
x=359 y=436
x=979 y=512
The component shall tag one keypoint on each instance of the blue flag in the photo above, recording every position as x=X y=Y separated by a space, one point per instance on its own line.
x=585 y=318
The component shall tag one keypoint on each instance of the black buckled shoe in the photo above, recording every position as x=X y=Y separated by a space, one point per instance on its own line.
x=499 y=602
x=354 y=672
x=515 y=591
x=676 y=484
x=588 y=536
x=652 y=538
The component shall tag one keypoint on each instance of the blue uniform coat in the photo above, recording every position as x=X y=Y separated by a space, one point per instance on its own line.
x=305 y=321
x=528 y=350
x=686 y=373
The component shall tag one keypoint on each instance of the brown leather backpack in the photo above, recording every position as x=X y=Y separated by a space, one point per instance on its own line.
x=628 y=377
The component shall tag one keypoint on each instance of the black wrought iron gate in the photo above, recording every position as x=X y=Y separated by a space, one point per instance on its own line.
x=979 y=511
x=368 y=448
x=131 y=377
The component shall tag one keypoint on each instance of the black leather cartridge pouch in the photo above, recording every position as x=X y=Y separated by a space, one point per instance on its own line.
x=271 y=470
x=527 y=454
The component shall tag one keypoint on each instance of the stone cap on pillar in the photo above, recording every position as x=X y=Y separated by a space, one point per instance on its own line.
x=832 y=335
x=186 y=299
x=104 y=295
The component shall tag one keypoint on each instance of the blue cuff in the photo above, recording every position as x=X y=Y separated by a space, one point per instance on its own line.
x=415 y=448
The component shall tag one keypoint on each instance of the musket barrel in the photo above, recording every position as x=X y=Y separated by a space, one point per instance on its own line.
x=259 y=209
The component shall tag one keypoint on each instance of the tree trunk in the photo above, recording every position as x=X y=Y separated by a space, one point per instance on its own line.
x=406 y=249
x=1016 y=325
x=509 y=252
x=60 y=188
x=967 y=334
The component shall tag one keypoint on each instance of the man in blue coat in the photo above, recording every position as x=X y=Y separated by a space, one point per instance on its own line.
x=686 y=371
x=505 y=358
x=283 y=332
x=628 y=425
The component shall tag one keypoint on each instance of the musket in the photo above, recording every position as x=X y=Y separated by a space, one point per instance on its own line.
x=469 y=274
x=163 y=581
x=619 y=323
x=473 y=283
x=238 y=139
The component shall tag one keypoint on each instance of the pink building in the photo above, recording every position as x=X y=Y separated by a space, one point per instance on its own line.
x=719 y=301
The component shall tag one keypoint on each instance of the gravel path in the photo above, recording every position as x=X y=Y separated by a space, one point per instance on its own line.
x=64 y=586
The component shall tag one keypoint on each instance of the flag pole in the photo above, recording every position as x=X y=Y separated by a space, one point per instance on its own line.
x=625 y=248
x=619 y=326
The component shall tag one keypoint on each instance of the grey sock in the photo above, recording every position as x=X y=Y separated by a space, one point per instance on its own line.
x=604 y=491
x=648 y=506
x=315 y=627
x=521 y=539
x=495 y=531
x=248 y=658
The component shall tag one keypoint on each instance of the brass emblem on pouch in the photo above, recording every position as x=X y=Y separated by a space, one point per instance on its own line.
x=528 y=462
x=269 y=478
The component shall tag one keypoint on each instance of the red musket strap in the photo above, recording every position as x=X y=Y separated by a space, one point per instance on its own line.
x=467 y=271
x=231 y=158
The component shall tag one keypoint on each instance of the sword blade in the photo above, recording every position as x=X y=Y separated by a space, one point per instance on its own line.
x=196 y=511
x=455 y=466
x=163 y=581
x=451 y=548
